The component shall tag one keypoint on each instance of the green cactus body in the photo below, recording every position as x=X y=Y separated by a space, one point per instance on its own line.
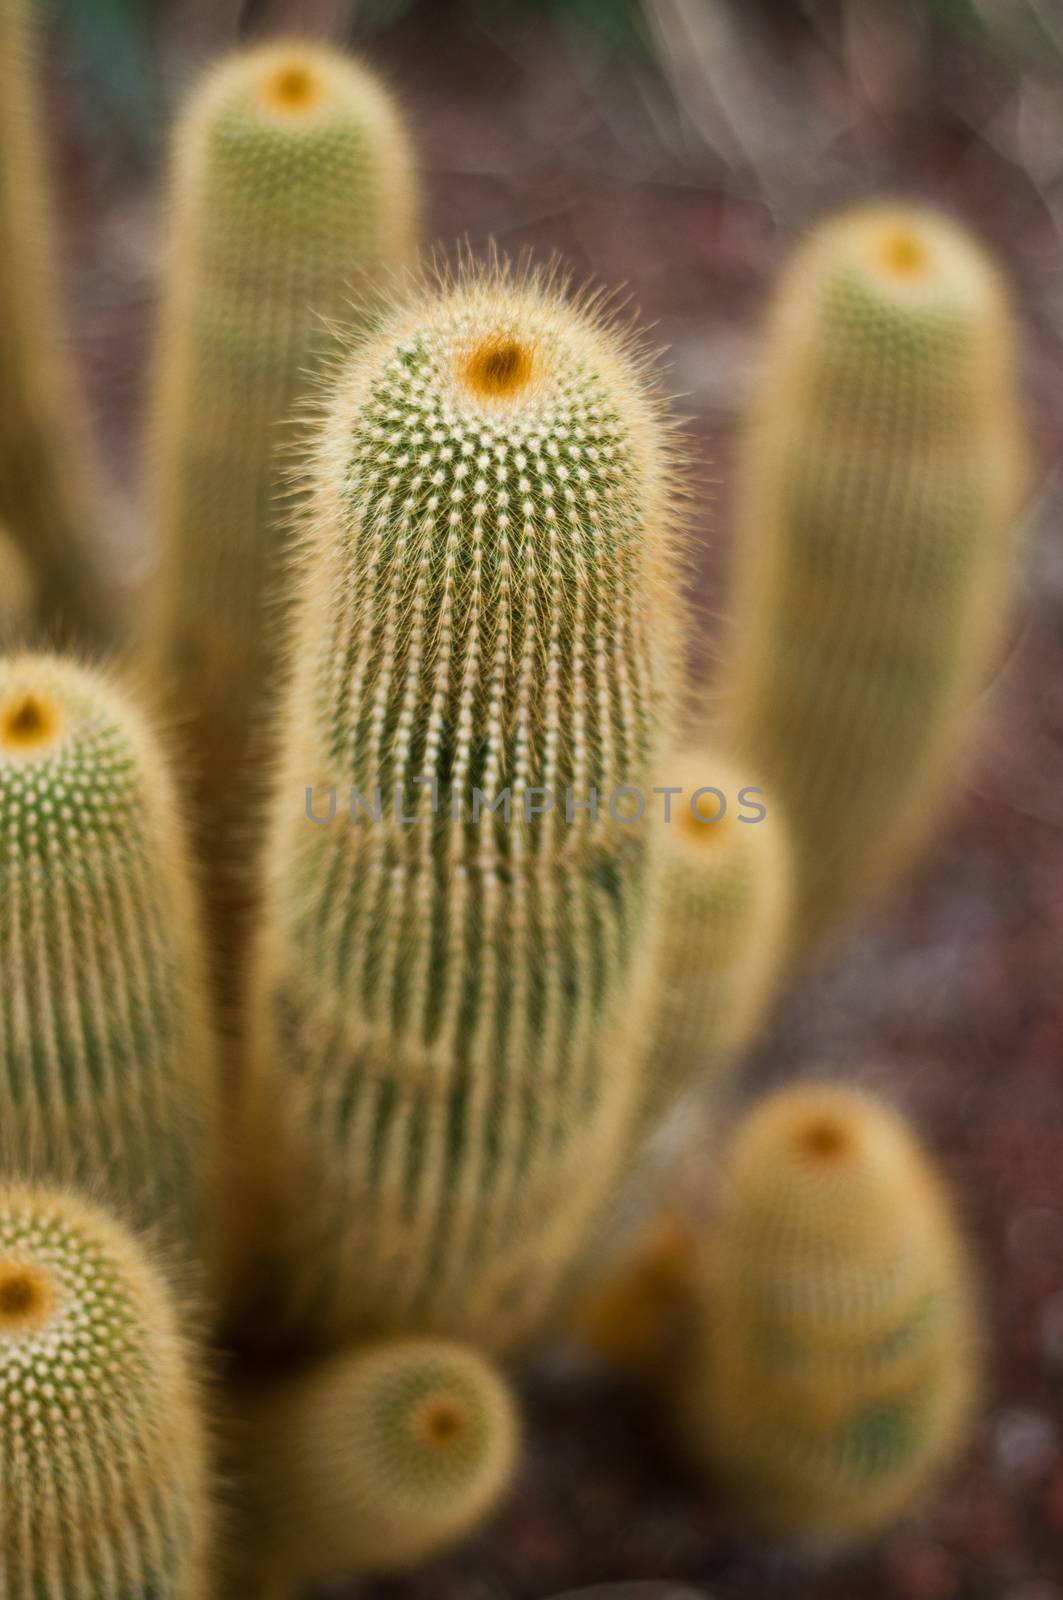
x=882 y=480
x=102 y=1453
x=447 y=1012
x=106 y=1059
x=726 y=893
x=293 y=195
x=17 y=592
x=836 y=1363
x=375 y=1461
x=49 y=498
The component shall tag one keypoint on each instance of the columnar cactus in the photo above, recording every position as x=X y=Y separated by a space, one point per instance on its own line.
x=293 y=196
x=48 y=494
x=374 y=1461
x=102 y=1456
x=107 y=1069
x=447 y=1007
x=725 y=926
x=17 y=592
x=883 y=471
x=836 y=1360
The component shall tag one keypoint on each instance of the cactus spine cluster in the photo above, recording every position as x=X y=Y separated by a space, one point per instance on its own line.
x=292 y=195
x=446 y=1007
x=882 y=478
x=836 y=1361
x=374 y=1461
x=102 y=1457
x=48 y=497
x=106 y=1058
x=726 y=894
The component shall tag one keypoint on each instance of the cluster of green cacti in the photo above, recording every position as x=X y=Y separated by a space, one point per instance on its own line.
x=418 y=625
x=833 y=1362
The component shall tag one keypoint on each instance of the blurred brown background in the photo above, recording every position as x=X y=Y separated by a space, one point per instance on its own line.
x=677 y=147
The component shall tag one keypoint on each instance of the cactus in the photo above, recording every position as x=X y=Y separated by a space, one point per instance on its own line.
x=106 y=1059
x=49 y=497
x=446 y=1013
x=633 y=1318
x=102 y=1454
x=727 y=894
x=883 y=472
x=293 y=195
x=17 y=592
x=835 y=1362
x=374 y=1461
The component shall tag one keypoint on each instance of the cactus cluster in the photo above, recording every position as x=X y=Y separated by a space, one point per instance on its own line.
x=50 y=499
x=881 y=483
x=293 y=196
x=102 y=1454
x=106 y=1052
x=447 y=999
x=836 y=1358
x=418 y=617
x=374 y=1461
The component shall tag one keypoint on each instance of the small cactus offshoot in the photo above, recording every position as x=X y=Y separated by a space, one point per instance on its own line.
x=107 y=1067
x=448 y=996
x=883 y=473
x=102 y=1452
x=375 y=1461
x=835 y=1365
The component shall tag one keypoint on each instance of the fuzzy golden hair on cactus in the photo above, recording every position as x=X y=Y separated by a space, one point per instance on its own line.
x=724 y=929
x=17 y=592
x=882 y=479
x=293 y=198
x=50 y=499
x=102 y=1444
x=374 y=1461
x=447 y=996
x=106 y=1059
x=835 y=1367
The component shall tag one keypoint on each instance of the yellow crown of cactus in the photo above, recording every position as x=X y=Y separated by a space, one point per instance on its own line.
x=106 y=1059
x=491 y=612
x=375 y=1461
x=724 y=928
x=835 y=1366
x=882 y=476
x=102 y=1455
x=48 y=495
x=293 y=194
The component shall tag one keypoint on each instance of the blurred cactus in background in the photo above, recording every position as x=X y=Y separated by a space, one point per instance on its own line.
x=373 y=1462
x=17 y=591
x=106 y=1055
x=293 y=204
x=835 y=1364
x=102 y=1448
x=882 y=478
x=50 y=496
x=725 y=927
x=447 y=1013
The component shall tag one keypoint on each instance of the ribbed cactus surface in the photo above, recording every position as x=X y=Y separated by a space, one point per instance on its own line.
x=726 y=898
x=882 y=478
x=375 y=1461
x=49 y=498
x=107 y=1073
x=836 y=1361
x=102 y=1456
x=293 y=196
x=446 y=1005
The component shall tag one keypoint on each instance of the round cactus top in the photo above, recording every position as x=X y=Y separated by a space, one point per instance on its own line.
x=72 y=761
x=432 y=1425
x=83 y=1326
